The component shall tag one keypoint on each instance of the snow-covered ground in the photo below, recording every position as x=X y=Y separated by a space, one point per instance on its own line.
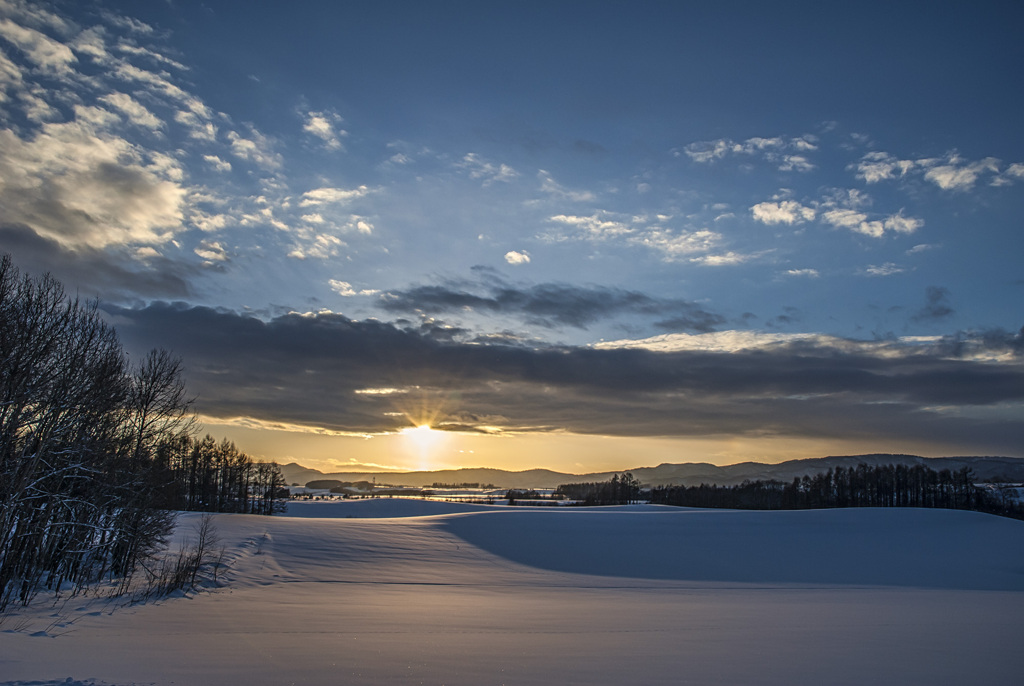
x=424 y=592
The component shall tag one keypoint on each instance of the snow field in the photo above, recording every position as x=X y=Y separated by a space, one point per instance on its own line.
x=410 y=592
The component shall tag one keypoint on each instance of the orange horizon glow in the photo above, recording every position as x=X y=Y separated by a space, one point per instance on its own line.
x=420 y=447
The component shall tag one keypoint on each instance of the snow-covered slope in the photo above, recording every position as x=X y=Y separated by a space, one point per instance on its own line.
x=410 y=592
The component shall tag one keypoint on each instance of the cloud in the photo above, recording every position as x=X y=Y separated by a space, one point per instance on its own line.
x=551 y=305
x=788 y=154
x=489 y=172
x=326 y=127
x=211 y=251
x=784 y=212
x=937 y=306
x=881 y=166
x=859 y=222
x=217 y=163
x=345 y=289
x=551 y=187
x=1015 y=171
x=308 y=370
x=78 y=184
x=116 y=274
x=958 y=175
x=795 y=163
x=158 y=83
x=809 y=273
x=597 y=227
x=672 y=245
x=11 y=78
x=323 y=196
x=677 y=245
x=256 y=149
x=517 y=257
x=727 y=259
x=315 y=245
x=132 y=109
x=887 y=269
x=46 y=53
x=151 y=55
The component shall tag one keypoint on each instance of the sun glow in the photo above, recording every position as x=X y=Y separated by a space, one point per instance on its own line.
x=424 y=441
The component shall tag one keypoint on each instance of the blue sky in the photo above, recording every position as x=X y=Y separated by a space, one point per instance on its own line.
x=576 y=235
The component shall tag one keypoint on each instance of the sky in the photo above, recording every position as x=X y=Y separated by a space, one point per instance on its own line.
x=573 y=235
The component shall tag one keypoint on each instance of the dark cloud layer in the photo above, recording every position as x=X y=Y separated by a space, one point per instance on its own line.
x=91 y=272
x=316 y=370
x=554 y=305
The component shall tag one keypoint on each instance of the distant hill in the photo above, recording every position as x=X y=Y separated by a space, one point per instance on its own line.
x=995 y=469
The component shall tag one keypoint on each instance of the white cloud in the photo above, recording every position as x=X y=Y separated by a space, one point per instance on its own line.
x=317 y=246
x=718 y=341
x=957 y=175
x=158 y=83
x=38 y=110
x=901 y=224
x=887 y=269
x=777 y=149
x=846 y=218
x=321 y=196
x=47 y=54
x=10 y=76
x=796 y=163
x=922 y=247
x=345 y=289
x=211 y=251
x=91 y=42
x=325 y=126
x=809 y=273
x=709 y=151
x=488 y=171
x=784 y=212
x=136 y=51
x=674 y=246
x=517 y=257
x=595 y=227
x=739 y=340
x=727 y=259
x=1016 y=170
x=207 y=222
x=95 y=118
x=80 y=185
x=255 y=149
x=198 y=129
x=130 y=24
x=881 y=166
x=135 y=111
x=550 y=186
x=217 y=163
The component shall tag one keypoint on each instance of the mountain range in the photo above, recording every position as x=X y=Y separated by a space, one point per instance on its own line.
x=986 y=469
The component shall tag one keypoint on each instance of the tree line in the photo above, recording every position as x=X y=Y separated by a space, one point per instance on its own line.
x=619 y=490
x=859 y=486
x=96 y=452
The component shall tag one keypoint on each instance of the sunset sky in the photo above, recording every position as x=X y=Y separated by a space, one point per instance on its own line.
x=576 y=235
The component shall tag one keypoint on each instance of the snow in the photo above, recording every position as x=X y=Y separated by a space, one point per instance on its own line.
x=399 y=591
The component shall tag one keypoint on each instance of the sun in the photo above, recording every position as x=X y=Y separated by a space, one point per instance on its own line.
x=421 y=436
x=423 y=441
